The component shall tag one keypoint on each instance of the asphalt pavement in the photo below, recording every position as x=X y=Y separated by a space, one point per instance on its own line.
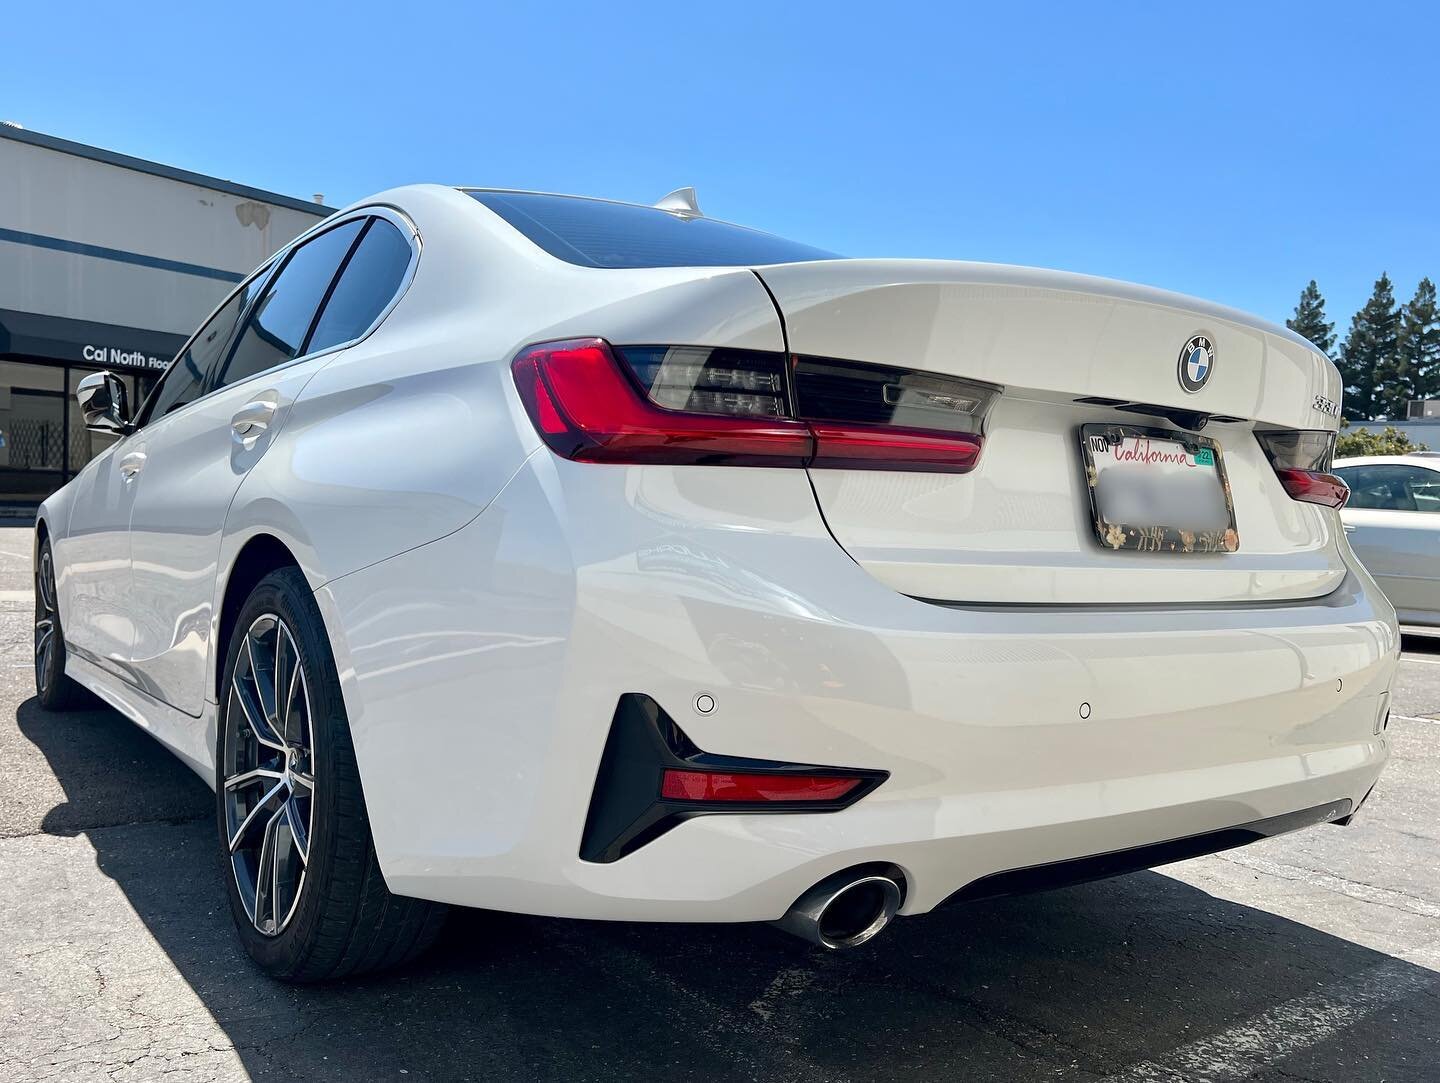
x=1315 y=956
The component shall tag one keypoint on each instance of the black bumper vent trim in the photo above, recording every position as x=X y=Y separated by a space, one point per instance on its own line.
x=1082 y=870
x=626 y=808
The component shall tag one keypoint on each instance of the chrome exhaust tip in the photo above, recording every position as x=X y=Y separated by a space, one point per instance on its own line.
x=845 y=910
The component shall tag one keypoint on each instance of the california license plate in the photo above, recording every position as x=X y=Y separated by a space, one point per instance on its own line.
x=1158 y=491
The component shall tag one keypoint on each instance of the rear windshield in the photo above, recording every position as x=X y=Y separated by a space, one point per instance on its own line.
x=594 y=233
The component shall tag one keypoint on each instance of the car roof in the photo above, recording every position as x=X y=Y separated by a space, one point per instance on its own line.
x=1430 y=462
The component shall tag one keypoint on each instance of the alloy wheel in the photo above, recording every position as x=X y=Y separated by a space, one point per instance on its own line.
x=268 y=772
x=46 y=620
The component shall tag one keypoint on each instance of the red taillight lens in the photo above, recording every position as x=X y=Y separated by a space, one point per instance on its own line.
x=585 y=407
x=1314 y=486
x=886 y=447
x=679 y=785
x=682 y=404
x=1301 y=458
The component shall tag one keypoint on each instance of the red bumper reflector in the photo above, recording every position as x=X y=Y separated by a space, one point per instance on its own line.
x=679 y=785
x=1314 y=486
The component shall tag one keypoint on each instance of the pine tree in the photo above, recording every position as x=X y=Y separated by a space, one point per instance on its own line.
x=1310 y=321
x=1420 y=341
x=1370 y=351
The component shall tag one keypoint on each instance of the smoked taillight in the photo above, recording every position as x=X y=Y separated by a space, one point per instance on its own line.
x=1301 y=458
x=874 y=417
x=683 y=404
x=587 y=408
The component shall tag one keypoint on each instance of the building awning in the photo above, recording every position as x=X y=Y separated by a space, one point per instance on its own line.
x=83 y=342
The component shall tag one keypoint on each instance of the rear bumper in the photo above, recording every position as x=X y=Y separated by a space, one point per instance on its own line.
x=1081 y=870
x=481 y=673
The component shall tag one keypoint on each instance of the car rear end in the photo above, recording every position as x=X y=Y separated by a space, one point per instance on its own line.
x=900 y=582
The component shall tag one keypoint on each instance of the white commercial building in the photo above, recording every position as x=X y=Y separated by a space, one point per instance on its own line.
x=107 y=261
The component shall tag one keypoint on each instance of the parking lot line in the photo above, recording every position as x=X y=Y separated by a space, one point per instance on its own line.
x=1238 y=1052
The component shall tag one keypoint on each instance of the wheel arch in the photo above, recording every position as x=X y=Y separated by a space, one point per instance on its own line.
x=43 y=534
x=261 y=554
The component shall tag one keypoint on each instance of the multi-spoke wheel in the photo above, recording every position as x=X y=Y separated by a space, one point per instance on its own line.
x=54 y=690
x=269 y=786
x=305 y=887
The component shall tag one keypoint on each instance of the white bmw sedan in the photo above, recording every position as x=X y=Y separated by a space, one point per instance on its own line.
x=581 y=558
x=1393 y=520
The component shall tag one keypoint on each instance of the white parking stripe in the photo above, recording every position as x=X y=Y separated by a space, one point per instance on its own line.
x=1413 y=718
x=1422 y=661
x=1286 y=1029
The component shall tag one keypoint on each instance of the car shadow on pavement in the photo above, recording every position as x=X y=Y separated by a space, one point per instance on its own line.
x=1077 y=983
x=1427 y=645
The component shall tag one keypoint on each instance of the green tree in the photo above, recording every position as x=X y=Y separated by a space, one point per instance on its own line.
x=1369 y=350
x=1310 y=322
x=1420 y=341
x=1392 y=441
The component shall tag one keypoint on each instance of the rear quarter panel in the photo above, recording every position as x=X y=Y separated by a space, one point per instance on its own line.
x=408 y=436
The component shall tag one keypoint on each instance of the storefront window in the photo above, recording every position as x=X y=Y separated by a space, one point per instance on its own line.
x=32 y=430
x=43 y=439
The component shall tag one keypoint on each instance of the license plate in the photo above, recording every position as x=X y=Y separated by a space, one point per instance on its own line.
x=1158 y=491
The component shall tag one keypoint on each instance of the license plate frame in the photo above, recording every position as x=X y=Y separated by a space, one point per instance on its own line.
x=1156 y=537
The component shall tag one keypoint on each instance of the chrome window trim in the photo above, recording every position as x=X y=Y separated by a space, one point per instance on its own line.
x=276 y=263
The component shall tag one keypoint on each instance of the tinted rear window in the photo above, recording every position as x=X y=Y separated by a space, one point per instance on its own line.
x=594 y=233
x=366 y=286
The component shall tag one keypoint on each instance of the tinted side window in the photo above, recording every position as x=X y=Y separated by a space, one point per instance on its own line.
x=277 y=327
x=1393 y=488
x=366 y=286
x=184 y=379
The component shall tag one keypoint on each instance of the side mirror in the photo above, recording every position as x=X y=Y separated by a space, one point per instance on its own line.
x=103 y=403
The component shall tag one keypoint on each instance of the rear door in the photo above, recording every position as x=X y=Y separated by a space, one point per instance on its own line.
x=330 y=292
x=1056 y=352
x=96 y=585
x=197 y=456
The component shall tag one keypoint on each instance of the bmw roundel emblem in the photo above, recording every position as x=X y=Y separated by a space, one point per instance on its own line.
x=1197 y=362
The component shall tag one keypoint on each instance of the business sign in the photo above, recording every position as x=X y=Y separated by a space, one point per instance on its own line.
x=112 y=357
x=34 y=336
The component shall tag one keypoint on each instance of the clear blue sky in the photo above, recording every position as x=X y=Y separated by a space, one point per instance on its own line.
x=1231 y=150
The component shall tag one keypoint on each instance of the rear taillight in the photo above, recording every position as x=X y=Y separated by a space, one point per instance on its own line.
x=683 y=404
x=1301 y=458
x=873 y=417
x=587 y=408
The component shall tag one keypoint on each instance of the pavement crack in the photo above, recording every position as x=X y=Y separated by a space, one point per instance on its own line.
x=1388 y=897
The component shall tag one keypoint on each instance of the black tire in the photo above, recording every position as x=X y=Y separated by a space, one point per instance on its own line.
x=327 y=913
x=54 y=690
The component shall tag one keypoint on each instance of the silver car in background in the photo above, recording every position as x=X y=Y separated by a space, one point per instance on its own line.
x=1393 y=522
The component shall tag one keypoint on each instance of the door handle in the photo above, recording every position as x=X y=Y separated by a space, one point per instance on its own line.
x=131 y=464
x=253 y=418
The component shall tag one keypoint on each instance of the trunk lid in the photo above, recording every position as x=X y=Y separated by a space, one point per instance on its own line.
x=1068 y=350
